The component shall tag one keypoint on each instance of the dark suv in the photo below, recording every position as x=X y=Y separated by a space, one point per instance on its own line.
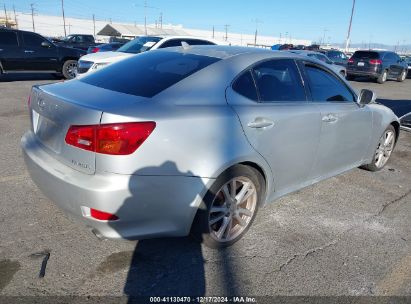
x=22 y=51
x=78 y=41
x=379 y=65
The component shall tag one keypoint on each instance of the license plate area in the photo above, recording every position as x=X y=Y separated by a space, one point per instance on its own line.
x=47 y=131
x=361 y=64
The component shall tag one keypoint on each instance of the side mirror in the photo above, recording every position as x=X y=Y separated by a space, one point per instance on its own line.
x=45 y=44
x=366 y=97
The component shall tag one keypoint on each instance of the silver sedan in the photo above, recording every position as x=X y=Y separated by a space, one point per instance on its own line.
x=196 y=139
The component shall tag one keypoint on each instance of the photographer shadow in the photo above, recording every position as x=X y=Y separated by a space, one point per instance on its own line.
x=164 y=266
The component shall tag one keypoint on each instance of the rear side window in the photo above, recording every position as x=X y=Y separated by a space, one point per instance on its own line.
x=171 y=43
x=148 y=73
x=279 y=81
x=366 y=55
x=326 y=87
x=32 y=39
x=8 y=38
x=198 y=42
x=244 y=85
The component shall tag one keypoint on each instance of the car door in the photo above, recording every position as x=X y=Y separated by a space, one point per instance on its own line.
x=40 y=54
x=279 y=122
x=345 y=125
x=11 y=57
x=397 y=66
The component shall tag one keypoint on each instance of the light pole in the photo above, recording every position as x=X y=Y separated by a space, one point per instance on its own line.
x=347 y=41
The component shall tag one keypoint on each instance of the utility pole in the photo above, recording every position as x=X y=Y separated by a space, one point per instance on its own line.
x=94 y=26
x=213 y=31
x=226 y=31
x=323 y=41
x=15 y=16
x=5 y=14
x=161 y=20
x=64 y=19
x=32 y=15
x=347 y=41
x=145 y=17
x=256 y=26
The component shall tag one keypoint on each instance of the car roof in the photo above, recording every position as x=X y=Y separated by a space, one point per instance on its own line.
x=305 y=52
x=226 y=51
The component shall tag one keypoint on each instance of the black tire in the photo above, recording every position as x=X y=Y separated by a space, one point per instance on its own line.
x=201 y=228
x=349 y=77
x=68 y=69
x=372 y=166
x=383 y=77
x=402 y=76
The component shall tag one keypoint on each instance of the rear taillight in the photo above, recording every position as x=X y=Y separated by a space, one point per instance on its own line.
x=102 y=216
x=350 y=60
x=375 y=61
x=95 y=50
x=114 y=139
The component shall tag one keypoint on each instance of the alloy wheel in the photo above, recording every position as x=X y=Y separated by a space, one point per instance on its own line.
x=384 y=149
x=232 y=209
x=72 y=69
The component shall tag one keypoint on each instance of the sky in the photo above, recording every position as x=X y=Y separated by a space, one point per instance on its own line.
x=375 y=21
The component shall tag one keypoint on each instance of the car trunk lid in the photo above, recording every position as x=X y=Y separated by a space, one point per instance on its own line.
x=54 y=108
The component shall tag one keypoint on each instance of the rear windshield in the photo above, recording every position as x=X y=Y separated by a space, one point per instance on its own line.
x=149 y=73
x=139 y=45
x=366 y=55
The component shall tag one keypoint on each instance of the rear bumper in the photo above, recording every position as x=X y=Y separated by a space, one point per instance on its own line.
x=363 y=73
x=147 y=206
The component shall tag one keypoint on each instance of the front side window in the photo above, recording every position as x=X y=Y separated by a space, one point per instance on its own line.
x=325 y=87
x=32 y=39
x=149 y=73
x=244 y=85
x=279 y=81
x=8 y=38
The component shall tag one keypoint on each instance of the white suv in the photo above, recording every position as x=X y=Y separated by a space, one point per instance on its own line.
x=91 y=62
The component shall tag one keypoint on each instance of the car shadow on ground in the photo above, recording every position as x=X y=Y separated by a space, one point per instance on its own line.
x=29 y=77
x=169 y=266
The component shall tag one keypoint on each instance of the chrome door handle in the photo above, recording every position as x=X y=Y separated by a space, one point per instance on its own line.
x=329 y=118
x=28 y=51
x=1 y=50
x=260 y=122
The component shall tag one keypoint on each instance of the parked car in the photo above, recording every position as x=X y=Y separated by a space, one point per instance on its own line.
x=78 y=41
x=336 y=56
x=105 y=47
x=317 y=55
x=379 y=65
x=93 y=62
x=22 y=51
x=407 y=60
x=197 y=139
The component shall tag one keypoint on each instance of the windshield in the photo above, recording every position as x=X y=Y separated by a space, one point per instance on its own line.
x=67 y=38
x=139 y=45
x=321 y=57
x=366 y=55
x=148 y=74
